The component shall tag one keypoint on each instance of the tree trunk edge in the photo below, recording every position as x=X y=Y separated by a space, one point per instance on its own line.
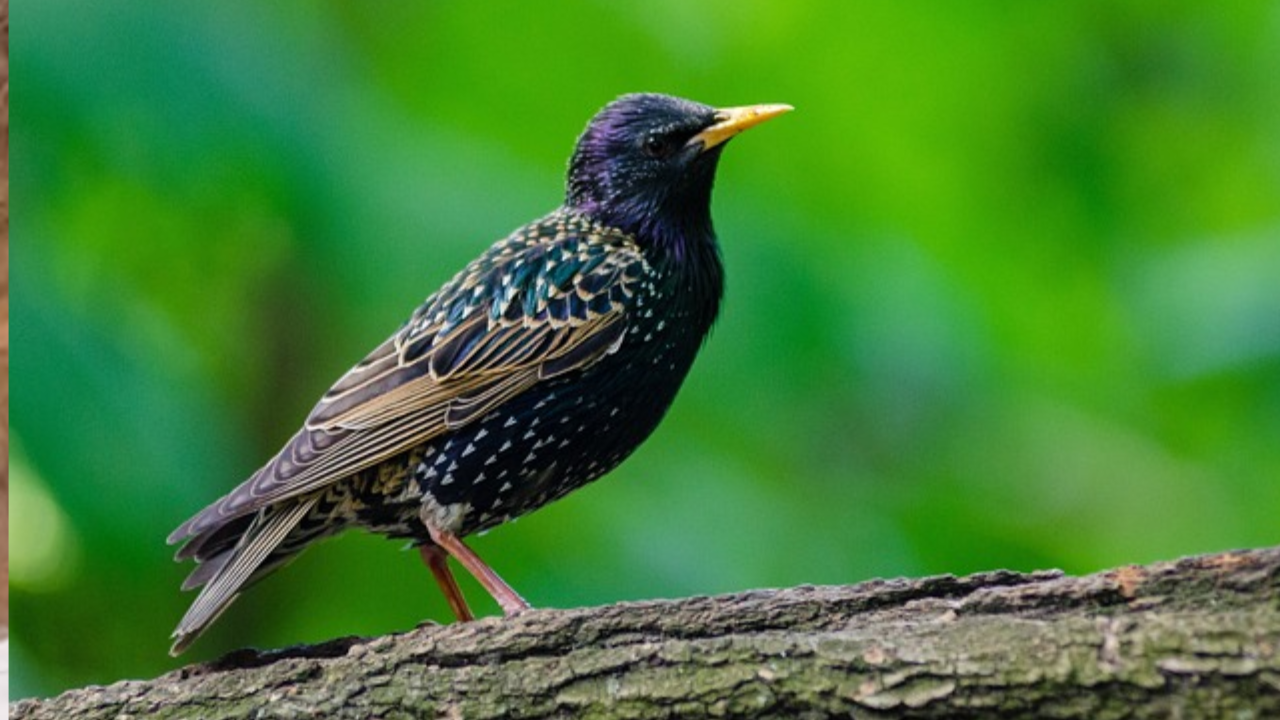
x=1196 y=637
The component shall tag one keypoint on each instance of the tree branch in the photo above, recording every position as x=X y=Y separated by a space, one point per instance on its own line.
x=1198 y=637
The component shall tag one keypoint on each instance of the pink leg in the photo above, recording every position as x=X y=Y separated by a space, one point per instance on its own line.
x=438 y=562
x=511 y=602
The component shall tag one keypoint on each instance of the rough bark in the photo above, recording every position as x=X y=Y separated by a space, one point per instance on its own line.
x=1195 y=638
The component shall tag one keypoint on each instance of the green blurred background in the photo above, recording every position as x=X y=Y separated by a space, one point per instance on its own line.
x=1004 y=291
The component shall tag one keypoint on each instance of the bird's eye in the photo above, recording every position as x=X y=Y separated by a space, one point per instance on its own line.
x=658 y=146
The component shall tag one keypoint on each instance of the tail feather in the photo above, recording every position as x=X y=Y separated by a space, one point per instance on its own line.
x=226 y=574
x=208 y=569
x=218 y=543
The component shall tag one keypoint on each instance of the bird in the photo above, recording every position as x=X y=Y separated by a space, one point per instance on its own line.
x=538 y=368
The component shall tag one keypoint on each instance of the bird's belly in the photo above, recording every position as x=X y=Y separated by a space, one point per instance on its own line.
x=549 y=441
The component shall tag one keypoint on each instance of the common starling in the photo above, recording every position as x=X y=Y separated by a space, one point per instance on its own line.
x=538 y=368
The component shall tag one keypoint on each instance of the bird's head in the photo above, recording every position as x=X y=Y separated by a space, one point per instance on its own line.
x=646 y=163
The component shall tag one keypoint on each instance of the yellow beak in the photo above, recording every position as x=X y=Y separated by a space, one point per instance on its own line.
x=731 y=121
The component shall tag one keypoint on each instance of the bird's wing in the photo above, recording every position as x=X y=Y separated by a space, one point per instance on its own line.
x=508 y=321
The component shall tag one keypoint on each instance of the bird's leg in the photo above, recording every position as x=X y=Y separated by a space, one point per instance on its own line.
x=511 y=602
x=437 y=561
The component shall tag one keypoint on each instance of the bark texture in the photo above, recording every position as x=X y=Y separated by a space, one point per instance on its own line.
x=1195 y=638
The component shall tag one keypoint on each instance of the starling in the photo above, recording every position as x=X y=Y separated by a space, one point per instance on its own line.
x=538 y=368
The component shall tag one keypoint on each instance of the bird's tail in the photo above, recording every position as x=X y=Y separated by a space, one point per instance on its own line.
x=257 y=552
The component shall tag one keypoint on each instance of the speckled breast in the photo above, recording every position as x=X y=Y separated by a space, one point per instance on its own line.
x=542 y=444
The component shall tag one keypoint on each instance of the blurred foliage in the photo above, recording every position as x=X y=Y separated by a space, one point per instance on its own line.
x=1004 y=291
